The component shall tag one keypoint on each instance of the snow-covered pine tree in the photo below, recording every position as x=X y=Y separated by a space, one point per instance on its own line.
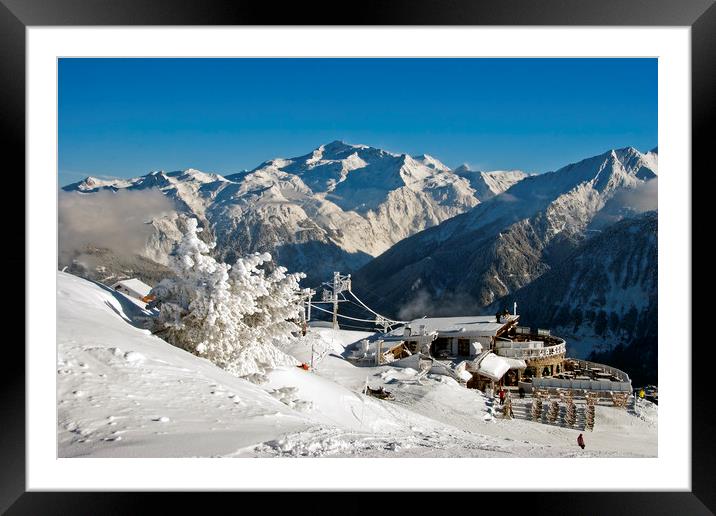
x=270 y=304
x=193 y=307
x=233 y=316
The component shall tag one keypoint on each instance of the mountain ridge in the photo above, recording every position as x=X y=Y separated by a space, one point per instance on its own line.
x=603 y=297
x=301 y=208
x=505 y=242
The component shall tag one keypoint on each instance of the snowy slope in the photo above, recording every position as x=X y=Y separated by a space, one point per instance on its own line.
x=503 y=244
x=125 y=393
x=343 y=203
x=489 y=184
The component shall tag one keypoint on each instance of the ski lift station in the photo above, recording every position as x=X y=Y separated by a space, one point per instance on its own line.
x=496 y=348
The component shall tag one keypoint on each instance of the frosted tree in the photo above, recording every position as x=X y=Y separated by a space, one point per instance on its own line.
x=234 y=316
x=196 y=307
x=270 y=302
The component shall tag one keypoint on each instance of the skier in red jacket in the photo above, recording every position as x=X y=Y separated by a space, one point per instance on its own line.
x=580 y=441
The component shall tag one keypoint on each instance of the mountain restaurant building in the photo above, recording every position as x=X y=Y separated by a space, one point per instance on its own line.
x=527 y=353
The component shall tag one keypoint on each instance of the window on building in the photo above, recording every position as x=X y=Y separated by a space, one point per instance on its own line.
x=463 y=347
x=440 y=347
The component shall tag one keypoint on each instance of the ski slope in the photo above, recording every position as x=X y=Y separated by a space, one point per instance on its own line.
x=122 y=392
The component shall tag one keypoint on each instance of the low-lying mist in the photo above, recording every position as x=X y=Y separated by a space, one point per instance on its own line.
x=628 y=203
x=119 y=221
x=450 y=304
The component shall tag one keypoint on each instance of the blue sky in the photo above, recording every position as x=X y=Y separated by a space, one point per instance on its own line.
x=126 y=117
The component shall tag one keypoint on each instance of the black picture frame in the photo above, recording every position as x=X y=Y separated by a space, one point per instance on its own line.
x=17 y=15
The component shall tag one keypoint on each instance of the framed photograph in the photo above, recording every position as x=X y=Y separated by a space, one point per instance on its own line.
x=420 y=250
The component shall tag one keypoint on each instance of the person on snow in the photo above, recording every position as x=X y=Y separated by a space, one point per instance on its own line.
x=580 y=441
x=502 y=396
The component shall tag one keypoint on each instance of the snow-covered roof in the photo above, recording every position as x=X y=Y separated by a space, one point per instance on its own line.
x=367 y=349
x=492 y=366
x=418 y=361
x=399 y=337
x=137 y=286
x=473 y=325
x=412 y=362
x=515 y=363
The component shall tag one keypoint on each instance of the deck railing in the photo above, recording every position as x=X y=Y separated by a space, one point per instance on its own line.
x=587 y=385
x=529 y=352
x=617 y=373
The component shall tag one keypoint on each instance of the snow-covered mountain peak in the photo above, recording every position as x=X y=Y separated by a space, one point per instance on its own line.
x=431 y=162
x=94 y=184
x=337 y=147
x=337 y=206
x=628 y=156
x=276 y=163
x=361 y=177
x=605 y=172
x=566 y=198
x=157 y=179
x=90 y=182
x=192 y=174
x=627 y=167
x=651 y=160
x=336 y=150
x=512 y=238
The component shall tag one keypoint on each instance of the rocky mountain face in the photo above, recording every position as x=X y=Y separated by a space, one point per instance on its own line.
x=602 y=298
x=332 y=209
x=489 y=184
x=503 y=244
